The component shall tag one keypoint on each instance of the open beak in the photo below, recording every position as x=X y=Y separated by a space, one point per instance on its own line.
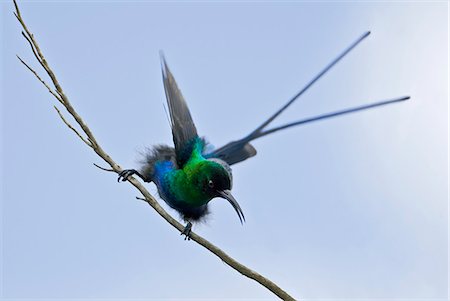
x=226 y=194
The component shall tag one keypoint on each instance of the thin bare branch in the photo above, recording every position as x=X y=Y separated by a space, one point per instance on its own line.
x=71 y=127
x=41 y=80
x=92 y=142
x=59 y=90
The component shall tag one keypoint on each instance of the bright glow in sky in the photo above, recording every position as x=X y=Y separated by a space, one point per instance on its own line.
x=352 y=207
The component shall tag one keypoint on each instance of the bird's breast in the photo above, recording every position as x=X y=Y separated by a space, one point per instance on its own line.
x=177 y=187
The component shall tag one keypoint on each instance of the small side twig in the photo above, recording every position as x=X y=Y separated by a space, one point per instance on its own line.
x=72 y=128
x=142 y=199
x=41 y=80
x=102 y=168
x=32 y=47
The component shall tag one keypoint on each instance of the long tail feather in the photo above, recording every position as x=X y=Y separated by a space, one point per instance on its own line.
x=330 y=115
x=307 y=86
x=240 y=150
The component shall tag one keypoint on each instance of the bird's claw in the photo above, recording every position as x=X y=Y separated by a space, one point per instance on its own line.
x=187 y=231
x=125 y=174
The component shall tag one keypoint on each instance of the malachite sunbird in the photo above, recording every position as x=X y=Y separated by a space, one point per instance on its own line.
x=188 y=176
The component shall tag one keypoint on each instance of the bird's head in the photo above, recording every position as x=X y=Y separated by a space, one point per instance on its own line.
x=216 y=180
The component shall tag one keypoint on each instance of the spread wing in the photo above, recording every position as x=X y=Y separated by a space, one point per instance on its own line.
x=233 y=152
x=183 y=128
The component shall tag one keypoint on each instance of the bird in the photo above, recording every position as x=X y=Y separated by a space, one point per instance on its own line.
x=189 y=175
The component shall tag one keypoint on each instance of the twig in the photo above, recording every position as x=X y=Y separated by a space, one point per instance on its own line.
x=41 y=80
x=105 y=169
x=142 y=199
x=71 y=127
x=92 y=142
x=32 y=47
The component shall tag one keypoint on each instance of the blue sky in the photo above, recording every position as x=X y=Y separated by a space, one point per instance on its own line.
x=353 y=207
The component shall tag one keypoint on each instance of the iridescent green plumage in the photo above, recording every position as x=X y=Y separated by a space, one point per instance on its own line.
x=189 y=189
x=190 y=183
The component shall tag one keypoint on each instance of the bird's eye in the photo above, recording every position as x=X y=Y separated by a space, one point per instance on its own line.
x=211 y=183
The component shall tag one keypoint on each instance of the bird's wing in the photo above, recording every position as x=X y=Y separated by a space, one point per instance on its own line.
x=183 y=128
x=233 y=152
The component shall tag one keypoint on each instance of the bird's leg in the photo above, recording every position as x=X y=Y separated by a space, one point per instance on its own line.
x=126 y=173
x=187 y=231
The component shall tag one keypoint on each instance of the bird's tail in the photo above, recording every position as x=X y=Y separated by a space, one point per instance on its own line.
x=240 y=150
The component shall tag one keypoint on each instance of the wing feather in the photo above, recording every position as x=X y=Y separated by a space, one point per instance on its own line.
x=183 y=128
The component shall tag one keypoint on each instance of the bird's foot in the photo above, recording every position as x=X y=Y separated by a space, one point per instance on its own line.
x=187 y=231
x=126 y=173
